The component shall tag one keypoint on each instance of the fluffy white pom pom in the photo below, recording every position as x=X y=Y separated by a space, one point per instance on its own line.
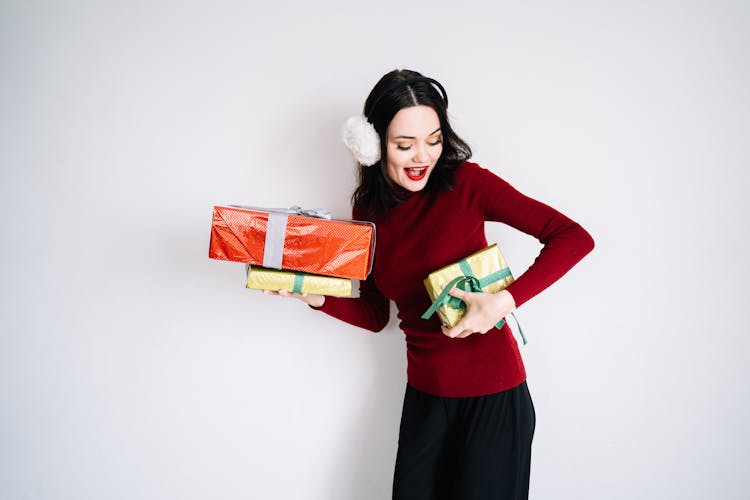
x=363 y=141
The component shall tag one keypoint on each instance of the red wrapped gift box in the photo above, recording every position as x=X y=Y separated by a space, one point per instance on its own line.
x=291 y=240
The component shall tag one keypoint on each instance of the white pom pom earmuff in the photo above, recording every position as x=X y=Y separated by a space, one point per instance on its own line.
x=362 y=140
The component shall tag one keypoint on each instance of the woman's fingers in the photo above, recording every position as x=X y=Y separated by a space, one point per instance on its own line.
x=460 y=331
x=483 y=311
x=465 y=334
x=310 y=299
x=283 y=293
x=459 y=294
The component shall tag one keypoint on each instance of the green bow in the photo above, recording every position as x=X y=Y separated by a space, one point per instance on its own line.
x=468 y=284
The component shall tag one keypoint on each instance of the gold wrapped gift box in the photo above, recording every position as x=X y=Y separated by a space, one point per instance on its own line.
x=261 y=278
x=489 y=270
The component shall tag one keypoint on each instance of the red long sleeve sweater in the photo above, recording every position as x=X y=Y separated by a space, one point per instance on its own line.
x=426 y=233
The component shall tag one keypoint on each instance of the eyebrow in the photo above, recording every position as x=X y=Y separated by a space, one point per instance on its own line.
x=411 y=137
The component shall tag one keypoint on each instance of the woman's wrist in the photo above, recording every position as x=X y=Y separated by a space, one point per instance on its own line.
x=506 y=302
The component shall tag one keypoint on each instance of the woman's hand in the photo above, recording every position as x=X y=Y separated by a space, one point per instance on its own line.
x=483 y=311
x=308 y=298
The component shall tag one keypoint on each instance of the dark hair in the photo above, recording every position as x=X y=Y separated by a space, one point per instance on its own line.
x=376 y=194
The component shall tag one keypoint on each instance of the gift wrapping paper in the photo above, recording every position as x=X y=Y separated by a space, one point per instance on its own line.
x=481 y=265
x=261 y=278
x=275 y=238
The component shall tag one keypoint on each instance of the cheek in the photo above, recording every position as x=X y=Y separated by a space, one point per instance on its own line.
x=393 y=169
x=396 y=160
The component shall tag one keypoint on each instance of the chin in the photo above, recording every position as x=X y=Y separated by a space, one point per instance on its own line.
x=414 y=186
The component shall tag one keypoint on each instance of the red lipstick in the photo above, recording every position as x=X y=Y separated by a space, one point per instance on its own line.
x=415 y=173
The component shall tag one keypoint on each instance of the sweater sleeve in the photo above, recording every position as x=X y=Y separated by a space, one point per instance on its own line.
x=565 y=241
x=371 y=310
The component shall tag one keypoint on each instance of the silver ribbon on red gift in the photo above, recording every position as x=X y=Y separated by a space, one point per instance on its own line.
x=273 y=249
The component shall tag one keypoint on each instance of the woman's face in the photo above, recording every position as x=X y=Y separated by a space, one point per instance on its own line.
x=413 y=145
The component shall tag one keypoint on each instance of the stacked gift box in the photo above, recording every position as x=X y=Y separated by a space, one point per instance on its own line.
x=297 y=250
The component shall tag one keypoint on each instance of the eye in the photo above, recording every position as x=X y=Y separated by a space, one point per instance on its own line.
x=439 y=141
x=403 y=148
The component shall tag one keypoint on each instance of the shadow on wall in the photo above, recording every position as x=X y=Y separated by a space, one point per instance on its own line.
x=375 y=437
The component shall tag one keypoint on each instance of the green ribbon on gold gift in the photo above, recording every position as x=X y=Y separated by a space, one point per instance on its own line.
x=469 y=283
x=299 y=279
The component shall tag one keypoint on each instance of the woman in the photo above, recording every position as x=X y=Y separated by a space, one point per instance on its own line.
x=468 y=419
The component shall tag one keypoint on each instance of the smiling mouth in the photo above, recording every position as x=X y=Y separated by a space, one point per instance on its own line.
x=416 y=173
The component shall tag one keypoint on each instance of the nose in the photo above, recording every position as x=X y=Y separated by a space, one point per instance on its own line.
x=420 y=153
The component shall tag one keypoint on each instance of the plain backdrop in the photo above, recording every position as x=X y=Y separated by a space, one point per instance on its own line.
x=133 y=367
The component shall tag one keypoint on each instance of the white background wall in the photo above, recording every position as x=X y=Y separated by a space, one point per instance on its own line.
x=133 y=367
